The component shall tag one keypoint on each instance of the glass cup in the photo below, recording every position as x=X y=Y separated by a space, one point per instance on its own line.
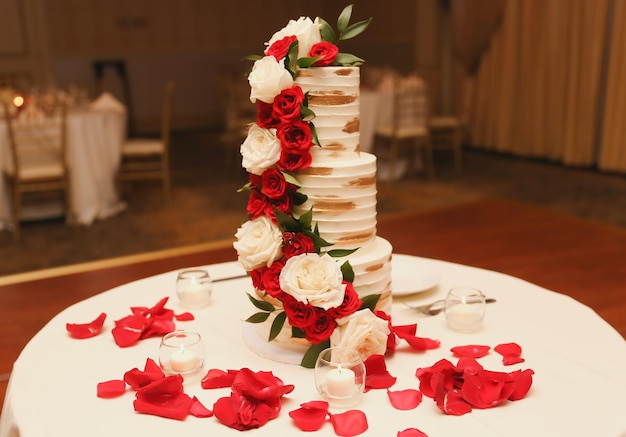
x=181 y=352
x=194 y=288
x=465 y=309
x=340 y=376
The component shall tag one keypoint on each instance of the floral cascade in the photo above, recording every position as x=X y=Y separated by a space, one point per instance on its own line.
x=295 y=274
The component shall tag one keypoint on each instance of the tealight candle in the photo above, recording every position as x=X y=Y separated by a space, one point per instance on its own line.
x=194 y=288
x=183 y=360
x=340 y=382
x=465 y=309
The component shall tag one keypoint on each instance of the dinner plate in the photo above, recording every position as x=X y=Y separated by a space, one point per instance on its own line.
x=409 y=276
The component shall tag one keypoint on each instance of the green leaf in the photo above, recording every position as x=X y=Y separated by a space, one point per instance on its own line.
x=291 y=179
x=246 y=187
x=370 y=301
x=277 y=325
x=307 y=113
x=251 y=58
x=310 y=356
x=299 y=198
x=326 y=31
x=297 y=332
x=348 y=273
x=348 y=60
x=338 y=253
x=258 y=317
x=306 y=219
x=344 y=19
x=261 y=304
x=355 y=29
x=286 y=221
x=291 y=60
x=316 y=140
x=307 y=62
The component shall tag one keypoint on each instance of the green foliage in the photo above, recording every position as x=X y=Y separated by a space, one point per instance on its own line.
x=261 y=304
x=370 y=301
x=310 y=356
x=258 y=317
x=277 y=325
x=348 y=273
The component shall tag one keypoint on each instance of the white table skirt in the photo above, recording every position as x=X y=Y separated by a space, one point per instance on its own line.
x=94 y=142
x=578 y=359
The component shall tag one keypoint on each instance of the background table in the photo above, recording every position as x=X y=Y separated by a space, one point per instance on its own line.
x=94 y=141
x=578 y=359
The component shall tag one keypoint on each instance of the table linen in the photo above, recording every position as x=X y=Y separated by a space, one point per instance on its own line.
x=94 y=141
x=578 y=360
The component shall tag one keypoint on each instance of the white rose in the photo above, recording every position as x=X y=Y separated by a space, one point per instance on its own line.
x=267 y=79
x=259 y=243
x=307 y=32
x=260 y=150
x=313 y=279
x=362 y=331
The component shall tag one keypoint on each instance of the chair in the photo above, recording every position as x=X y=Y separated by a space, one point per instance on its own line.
x=38 y=159
x=407 y=123
x=149 y=158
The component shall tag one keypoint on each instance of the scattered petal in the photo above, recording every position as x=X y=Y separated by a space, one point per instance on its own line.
x=376 y=375
x=199 y=410
x=310 y=416
x=172 y=407
x=137 y=379
x=216 y=378
x=453 y=404
x=405 y=399
x=412 y=432
x=511 y=353
x=471 y=351
x=111 y=389
x=184 y=317
x=523 y=379
x=418 y=343
x=349 y=423
x=86 y=330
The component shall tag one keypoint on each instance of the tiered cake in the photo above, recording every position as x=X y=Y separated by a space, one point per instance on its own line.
x=319 y=271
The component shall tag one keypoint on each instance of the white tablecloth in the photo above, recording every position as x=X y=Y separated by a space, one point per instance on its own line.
x=94 y=141
x=578 y=359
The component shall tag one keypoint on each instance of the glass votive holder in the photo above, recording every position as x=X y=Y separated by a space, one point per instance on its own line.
x=181 y=352
x=340 y=376
x=465 y=309
x=194 y=288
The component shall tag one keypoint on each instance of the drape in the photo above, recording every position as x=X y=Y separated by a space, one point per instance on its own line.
x=539 y=88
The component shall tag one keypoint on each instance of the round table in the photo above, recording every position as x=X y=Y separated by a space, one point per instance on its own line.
x=578 y=360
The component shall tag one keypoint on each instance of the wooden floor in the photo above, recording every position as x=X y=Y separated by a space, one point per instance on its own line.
x=573 y=256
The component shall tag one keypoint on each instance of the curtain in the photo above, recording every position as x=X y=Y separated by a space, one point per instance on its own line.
x=612 y=154
x=538 y=88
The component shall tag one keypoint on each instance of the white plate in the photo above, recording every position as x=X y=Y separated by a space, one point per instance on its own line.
x=408 y=276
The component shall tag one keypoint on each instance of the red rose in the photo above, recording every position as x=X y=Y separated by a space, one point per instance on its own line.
x=257 y=277
x=321 y=329
x=271 y=280
x=351 y=303
x=295 y=136
x=299 y=314
x=283 y=204
x=286 y=106
x=273 y=184
x=327 y=50
x=280 y=48
x=257 y=204
x=265 y=115
x=255 y=180
x=298 y=244
x=294 y=161
x=391 y=338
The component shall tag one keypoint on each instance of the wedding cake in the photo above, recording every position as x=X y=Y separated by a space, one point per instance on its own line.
x=317 y=266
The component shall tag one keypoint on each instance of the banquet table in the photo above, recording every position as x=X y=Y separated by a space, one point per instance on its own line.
x=94 y=141
x=577 y=357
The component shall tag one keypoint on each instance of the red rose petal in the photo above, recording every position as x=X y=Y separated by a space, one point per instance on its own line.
x=412 y=432
x=511 y=353
x=172 y=407
x=126 y=336
x=418 y=343
x=471 y=351
x=311 y=416
x=184 y=317
x=111 y=389
x=349 y=423
x=405 y=329
x=138 y=379
x=86 y=330
x=405 y=399
x=376 y=375
x=199 y=410
x=453 y=404
x=484 y=390
x=216 y=378
x=522 y=382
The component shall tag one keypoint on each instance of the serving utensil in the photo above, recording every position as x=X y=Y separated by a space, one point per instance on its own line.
x=436 y=307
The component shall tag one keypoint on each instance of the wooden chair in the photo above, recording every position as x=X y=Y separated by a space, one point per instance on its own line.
x=407 y=124
x=149 y=158
x=38 y=160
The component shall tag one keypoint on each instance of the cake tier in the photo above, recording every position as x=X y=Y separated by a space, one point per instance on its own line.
x=343 y=197
x=333 y=95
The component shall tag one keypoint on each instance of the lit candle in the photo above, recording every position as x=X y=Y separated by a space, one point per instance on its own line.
x=196 y=295
x=183 y=360
x=464 y=316
x=340 y=382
